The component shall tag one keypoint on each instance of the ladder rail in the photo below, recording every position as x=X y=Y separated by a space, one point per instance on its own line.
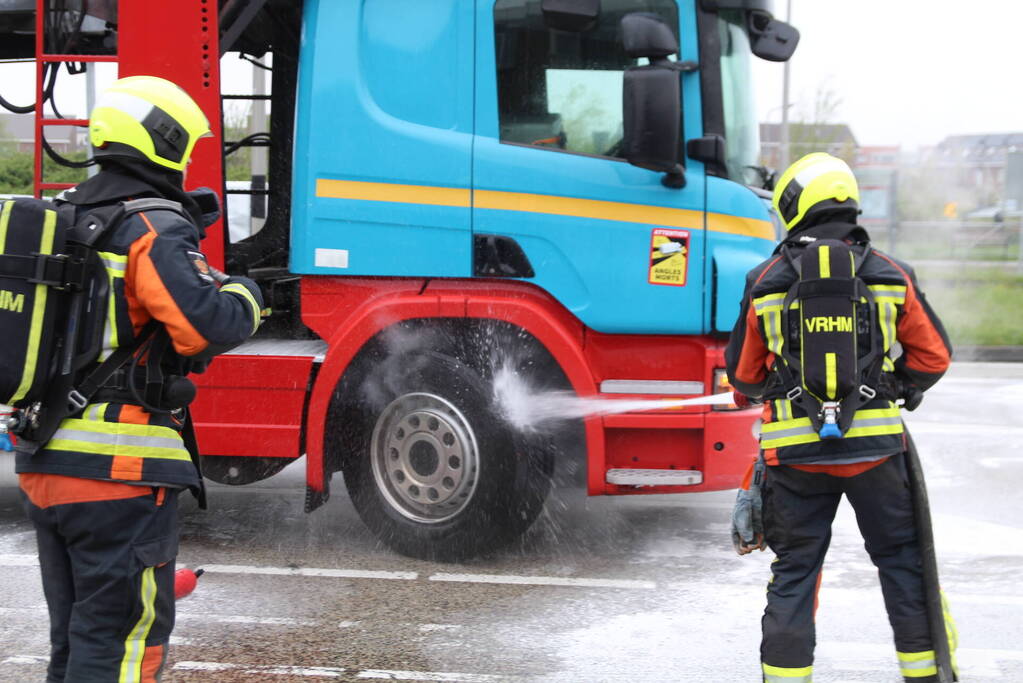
x=42 y=121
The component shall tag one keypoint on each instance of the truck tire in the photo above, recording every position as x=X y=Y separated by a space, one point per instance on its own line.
x=439 y=475
x=238 y=471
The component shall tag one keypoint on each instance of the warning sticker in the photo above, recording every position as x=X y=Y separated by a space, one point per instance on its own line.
x=669 y=257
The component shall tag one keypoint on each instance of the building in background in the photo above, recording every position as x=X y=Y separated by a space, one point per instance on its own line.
x=836 y=139
x=977 y=161
x=20 y=129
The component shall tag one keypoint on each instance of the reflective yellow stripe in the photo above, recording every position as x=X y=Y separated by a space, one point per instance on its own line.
x=831 y=371
x=238 y=288
x=135 y=644
x=873 y=422
x=5 y=217
x=118 y=439
x=788 y=675
x=918 y=664
x=113 y=428
x=118 y=450
x=825 y=256
x=762 y=303
x=94 y=412
x=38 y=308
x=116 y=265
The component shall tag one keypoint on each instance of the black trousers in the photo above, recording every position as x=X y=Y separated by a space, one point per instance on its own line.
x=108 y=577
x=799 y=508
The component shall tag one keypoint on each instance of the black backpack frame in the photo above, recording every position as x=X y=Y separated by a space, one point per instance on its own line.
x=833 y=298
x=52 y=262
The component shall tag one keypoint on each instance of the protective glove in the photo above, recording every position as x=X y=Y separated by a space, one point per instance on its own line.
x=911 y=396
x=747 y=515
x=741 y=400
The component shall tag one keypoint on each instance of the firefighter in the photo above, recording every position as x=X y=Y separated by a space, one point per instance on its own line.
x=792 y=492
x=102 y=493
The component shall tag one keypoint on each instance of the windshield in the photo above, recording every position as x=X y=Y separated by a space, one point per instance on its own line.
x=742 y=134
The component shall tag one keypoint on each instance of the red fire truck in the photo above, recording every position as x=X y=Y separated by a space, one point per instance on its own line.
x=456 y=189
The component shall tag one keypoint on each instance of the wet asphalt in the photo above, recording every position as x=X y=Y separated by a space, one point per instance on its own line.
x=643 y=588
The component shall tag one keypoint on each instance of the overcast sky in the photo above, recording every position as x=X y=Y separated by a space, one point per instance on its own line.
x=907 y=72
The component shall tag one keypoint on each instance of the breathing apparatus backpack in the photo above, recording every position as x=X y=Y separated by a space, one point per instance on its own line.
x=53 y=297
x=832 y=356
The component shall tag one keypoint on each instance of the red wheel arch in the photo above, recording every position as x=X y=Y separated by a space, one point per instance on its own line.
x=349 y=312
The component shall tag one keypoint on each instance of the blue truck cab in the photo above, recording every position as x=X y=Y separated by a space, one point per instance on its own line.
x=560 y=192
x=427 y=131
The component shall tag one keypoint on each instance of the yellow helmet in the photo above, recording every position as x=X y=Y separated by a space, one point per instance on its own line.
x=147 y=116
x=815 y=183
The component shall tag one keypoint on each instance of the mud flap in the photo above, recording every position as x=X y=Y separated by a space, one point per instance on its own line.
x=941 y=627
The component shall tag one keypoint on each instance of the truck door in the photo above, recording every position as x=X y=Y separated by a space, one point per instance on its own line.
x=383 y=139
x=607 y=239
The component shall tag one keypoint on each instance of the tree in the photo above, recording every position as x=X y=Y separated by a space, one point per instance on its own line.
x=817 y=131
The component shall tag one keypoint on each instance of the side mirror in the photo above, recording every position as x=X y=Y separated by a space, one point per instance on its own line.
x=771 y=39
x=652 y=98
x=570 y=15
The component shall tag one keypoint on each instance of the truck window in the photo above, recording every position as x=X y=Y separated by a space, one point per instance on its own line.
x=741 y=128
x=561 y=90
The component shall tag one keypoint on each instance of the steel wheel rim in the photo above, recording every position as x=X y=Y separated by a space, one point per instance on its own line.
x=425 y=458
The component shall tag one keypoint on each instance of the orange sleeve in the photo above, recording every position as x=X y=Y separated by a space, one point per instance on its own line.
x=752 y=366
x=924 y=345
x=150 y=292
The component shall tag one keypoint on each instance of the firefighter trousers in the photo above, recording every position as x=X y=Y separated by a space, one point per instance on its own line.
x=799 y=508
x=108 y=576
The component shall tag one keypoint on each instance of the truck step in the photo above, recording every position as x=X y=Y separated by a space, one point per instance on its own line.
x=654 y=477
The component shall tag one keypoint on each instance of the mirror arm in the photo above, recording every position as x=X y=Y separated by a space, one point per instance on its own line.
x=675 y=179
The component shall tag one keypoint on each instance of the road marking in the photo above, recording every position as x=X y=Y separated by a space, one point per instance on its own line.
x=19 y=560
x=429 y=628
x=348 y=624
x=26 y=659
x=385 y=675
x=964 y=429
x=542 y=580
x=309 y=571
x=310 y=671
x=336 y=672
x=245 y=619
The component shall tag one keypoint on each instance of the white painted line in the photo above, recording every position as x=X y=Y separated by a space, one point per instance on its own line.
x=244 y=619
x=19 y=561
x=336 y=672
x=26 y=659
x=429 y=628
x=313 y=671
x=34 y=609
x=309 y=571
x=385 y=675
x=348 y=624
x=205 y=666
x=309 y=671
x=542 y=580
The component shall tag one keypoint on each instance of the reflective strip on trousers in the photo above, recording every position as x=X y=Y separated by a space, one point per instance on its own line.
x=918 y=664
x=778 y=674
x=875 y=422
x=135 y=644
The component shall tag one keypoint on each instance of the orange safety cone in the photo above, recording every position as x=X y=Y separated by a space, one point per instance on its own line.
x=185 y=581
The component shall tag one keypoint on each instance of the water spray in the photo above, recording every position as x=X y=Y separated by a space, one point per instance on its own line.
x=526 y=410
